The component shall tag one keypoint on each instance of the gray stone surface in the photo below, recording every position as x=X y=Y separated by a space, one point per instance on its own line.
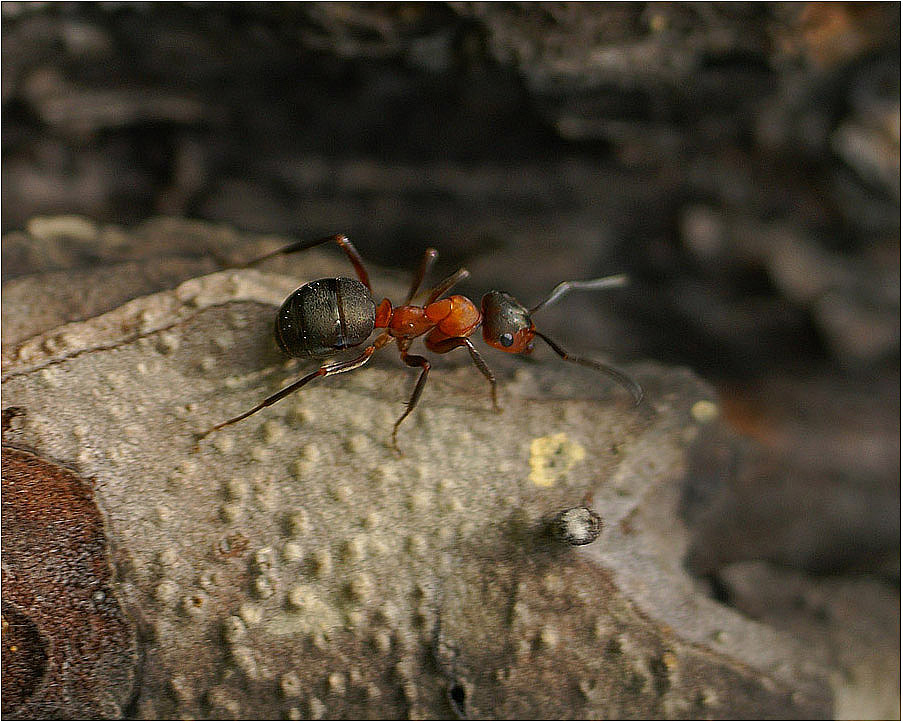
x=292 y=565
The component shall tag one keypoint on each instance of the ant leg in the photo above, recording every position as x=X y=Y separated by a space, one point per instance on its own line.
x=353 y=256
x=429 y=256
x=620 y=377
x=447 y=345
x=327 y=370
x=441 y=288
x=412 y=360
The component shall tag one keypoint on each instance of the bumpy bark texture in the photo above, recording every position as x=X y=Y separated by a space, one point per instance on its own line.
x=292 y=565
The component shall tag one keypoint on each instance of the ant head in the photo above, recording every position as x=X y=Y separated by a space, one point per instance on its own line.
x=507 y=325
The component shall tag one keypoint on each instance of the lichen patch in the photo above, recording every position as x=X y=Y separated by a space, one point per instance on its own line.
x=552 y=457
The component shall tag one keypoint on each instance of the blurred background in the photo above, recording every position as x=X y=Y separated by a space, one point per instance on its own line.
x=740 y=161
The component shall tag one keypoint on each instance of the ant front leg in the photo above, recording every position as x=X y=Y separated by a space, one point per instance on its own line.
x=327 y=370
x=444 y=346
x=353 y=256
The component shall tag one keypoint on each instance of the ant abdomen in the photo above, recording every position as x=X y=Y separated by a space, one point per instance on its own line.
x=325 y=316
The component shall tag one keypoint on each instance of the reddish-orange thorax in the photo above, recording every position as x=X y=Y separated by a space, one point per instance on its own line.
x=455 y=316
x=409 y=322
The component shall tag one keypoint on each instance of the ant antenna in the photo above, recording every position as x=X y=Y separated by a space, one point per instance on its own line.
x=606 y=282
x=620 y=377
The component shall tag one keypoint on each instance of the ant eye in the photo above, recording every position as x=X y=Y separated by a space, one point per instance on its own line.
x=506 y=339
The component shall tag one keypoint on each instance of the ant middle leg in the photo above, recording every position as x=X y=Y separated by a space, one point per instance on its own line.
x=327 y=370
x=344 y=243
x=444 y=346
x=412 y=360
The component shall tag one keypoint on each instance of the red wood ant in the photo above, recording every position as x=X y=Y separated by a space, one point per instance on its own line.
x=326 y=316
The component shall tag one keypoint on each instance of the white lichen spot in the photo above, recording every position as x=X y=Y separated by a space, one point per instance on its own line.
x=336 y=683
x=382 y=641
x=222 y=704
x=294 y=713
x=181 y=688
x=235 y=489
x=224 y=341
x=264 y=495
x=264 y=560
x=260 y=454
x=230 y=512
x=315 y=708
x=355 y=549
x=704 y=411
x=372 y=520
x=416 y=545
x=708 y=698
x=301 y=597
x=290 y=684
x=357 y=444
x=243 y=657
x=301 y=415
x=379 y=475
x=298 y=523
x=340 y=490
x=141 y=367
x=378 y=546
x=548 y=637
x=520 y=613
x=167 y=342
x=321 y=563
x=409 y=691
x=355 y=619
x=272 y=431
x=292 y=552
x=552 y=583
x=224 y=443
x=50 y=377
x=251 y=613
x=168 y=557
x=418 y=501
x=166 y=591
x=300 y=468
x=552 y=457
x=372 y=691
x=264 y=586
x=234 y=629
x=360 y=587
x=452 y=503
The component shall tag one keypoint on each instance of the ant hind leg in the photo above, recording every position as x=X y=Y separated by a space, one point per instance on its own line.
x=344 y=243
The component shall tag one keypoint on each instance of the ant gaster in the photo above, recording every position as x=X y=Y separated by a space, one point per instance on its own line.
x=326 y=316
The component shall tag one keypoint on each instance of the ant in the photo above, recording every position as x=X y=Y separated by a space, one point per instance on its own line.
x=327 y=316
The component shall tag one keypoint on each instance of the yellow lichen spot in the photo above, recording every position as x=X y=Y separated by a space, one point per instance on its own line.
x=704 y=411
x=551 y=457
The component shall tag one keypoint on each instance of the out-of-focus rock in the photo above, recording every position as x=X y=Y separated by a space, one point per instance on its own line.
x=787 y=497
x=291 y=565
x=852 y=624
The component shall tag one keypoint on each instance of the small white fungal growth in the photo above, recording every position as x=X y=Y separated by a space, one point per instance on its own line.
x=576 y=526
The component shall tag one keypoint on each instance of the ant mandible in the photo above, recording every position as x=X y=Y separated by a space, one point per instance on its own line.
x=326 y=316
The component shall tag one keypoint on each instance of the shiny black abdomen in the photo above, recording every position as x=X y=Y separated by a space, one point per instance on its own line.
x=325 y=316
